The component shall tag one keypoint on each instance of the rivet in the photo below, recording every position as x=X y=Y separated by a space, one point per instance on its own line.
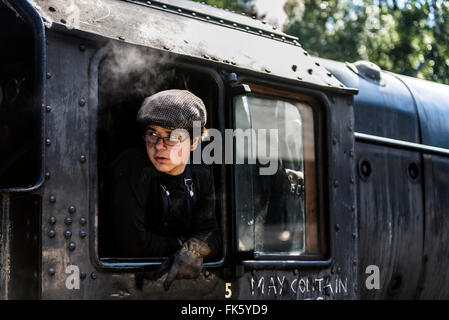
x=179 y=10
x=52 y=220
x=83 y=221
x=82 y=102
x=83 y=275
x=334 y=141
x=310 y=71
x=206 y=56
x=234 y=24
x=63 y=21
x=72 y=246
x=267 y=70
x=299 y=78
x=339 y=270
x=68 y=221
x=207 y=17
x=48 y=108
x=47 y=175
x=352 y=181
x=52 y=9
x=83 y=234
x=149 y=2
x=329 y=74
x=306 y=53
x=51 y=233
x=350 y=128
x=67 y=234
x=353 y=208
x=82 y=158
x=52 y=199
x=82 y=47
x=260 y=31
x=354 y=262
x=93 y=275
x=193 y=14
x=48 y=75
x=71 y=209
x=221 y=21
x=336 y=184
x=121 y=38
x=295 y=271
x=166 y=47
x=351 y=154
x=294 y=68
x=51 y=271
x=206 y=273
x=337 y=227
x=48 y=141
x=354 y=236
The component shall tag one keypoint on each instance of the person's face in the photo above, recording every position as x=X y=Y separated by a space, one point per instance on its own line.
x=171 y=156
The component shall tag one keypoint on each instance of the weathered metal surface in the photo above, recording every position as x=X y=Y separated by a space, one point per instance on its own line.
x=185 y=35
x=432 y=101
x=390 y=217
x=385 y=110
x=434 y=280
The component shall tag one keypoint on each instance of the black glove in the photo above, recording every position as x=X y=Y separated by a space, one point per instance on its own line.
x=188 y=261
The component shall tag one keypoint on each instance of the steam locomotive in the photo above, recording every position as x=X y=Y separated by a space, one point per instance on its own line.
x=357 y=208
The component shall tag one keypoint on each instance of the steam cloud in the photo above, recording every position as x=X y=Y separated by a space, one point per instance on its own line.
x=271 y=11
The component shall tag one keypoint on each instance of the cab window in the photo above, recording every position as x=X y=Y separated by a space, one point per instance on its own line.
x=276 y=184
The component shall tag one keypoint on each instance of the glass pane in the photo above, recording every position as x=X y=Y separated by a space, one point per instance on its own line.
x=274 y=203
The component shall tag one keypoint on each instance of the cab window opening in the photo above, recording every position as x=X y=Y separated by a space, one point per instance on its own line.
x=20 y=114
x=119 y=131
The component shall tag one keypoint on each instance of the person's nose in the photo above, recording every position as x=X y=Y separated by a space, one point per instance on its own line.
x=160 y=144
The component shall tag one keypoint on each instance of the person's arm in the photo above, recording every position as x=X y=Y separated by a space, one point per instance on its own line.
x=129 y=231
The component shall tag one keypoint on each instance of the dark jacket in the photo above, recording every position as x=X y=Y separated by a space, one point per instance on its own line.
x=139 y=227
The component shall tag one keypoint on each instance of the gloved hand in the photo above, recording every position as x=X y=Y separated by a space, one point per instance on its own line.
x=187 y=263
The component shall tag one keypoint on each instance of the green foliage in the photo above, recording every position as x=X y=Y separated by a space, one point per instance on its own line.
x=409 y=37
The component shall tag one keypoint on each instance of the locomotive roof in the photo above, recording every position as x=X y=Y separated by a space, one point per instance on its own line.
x=193 y=29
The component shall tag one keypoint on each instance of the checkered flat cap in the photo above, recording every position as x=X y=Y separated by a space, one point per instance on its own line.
x=175 y=109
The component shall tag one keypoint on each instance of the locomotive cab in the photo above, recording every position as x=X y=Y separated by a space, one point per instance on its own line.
x=281 y=150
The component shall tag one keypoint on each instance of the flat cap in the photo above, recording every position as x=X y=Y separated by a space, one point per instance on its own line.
x=176 y=109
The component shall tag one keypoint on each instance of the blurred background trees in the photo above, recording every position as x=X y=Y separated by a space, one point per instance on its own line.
x=409 y=37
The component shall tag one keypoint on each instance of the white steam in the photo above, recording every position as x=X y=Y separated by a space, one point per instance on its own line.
x=271 y=11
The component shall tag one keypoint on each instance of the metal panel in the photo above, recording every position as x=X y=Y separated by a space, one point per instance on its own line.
x=432 y=100
x=434 y=282
x=386 y=110
x=390 y=208
x=163 y=29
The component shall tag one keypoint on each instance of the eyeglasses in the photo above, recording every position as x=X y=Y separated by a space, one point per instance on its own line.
x=170 y=141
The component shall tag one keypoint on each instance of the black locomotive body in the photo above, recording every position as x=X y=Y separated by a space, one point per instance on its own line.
x=374 y=149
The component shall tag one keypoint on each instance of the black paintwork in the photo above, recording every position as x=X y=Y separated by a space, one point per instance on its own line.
x=383 y=205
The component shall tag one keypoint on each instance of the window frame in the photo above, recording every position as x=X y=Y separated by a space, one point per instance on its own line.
x=256 y=260
x=132 y=264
